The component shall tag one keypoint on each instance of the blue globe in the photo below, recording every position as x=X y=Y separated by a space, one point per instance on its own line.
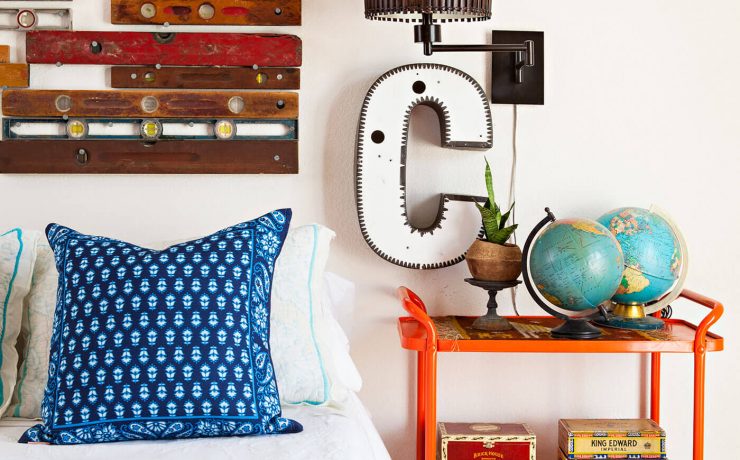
x=652 y=254
x=576 y=264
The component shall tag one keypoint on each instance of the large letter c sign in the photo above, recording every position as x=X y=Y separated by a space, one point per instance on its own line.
x=380 y=165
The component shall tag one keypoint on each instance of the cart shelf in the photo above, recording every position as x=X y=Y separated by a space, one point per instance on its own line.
x=429 y=335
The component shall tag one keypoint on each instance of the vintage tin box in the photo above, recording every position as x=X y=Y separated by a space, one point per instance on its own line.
x=611 y=439
x=485 y=441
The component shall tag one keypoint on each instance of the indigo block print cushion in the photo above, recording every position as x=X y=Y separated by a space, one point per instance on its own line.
x=163 y=344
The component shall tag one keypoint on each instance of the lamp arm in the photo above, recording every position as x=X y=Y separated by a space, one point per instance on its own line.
x=430 y=34
x=527 y=47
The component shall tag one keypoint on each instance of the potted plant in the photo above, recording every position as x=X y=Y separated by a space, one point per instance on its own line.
x=492 y=258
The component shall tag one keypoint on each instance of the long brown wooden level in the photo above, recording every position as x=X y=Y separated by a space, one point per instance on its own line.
x=205 y=77
x=207 y=12
x=155 y=104
x=135 y=157
x=147 y=48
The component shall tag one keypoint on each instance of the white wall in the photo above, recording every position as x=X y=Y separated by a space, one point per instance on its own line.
x=642 y=107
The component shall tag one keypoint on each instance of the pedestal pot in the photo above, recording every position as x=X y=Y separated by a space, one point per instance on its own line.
x=491 y=321
x=494 y=262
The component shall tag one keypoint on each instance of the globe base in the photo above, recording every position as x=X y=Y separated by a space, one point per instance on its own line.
x=576 y=329
x=648 y=323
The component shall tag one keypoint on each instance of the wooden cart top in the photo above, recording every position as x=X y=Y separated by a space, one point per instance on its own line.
x=422 y=332
x=532 y=334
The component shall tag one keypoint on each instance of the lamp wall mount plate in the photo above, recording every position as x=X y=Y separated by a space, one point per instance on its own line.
x=512 y=82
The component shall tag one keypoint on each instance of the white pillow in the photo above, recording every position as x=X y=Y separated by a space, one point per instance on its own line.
x=339 y=304
x=16 y=262
x=35 y=337
x=308 y=348
x=300 y=338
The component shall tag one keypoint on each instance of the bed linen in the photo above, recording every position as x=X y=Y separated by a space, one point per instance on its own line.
x=329 y=434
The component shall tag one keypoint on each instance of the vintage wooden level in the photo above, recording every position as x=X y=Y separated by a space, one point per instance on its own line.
x=211 y=12
x=205 y=77
x=12 y=75
x=136 y=157
x=35 y=19
x=178 y=49
x=150 y=129
x=151 y=104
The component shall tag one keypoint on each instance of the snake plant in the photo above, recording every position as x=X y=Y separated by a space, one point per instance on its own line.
x=494 y=223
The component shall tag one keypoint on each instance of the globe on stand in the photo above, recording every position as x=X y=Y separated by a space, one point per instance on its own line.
x=655 y=266
x=572 y=267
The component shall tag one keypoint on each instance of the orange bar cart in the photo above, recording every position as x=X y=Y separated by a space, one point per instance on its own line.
x=429 y=335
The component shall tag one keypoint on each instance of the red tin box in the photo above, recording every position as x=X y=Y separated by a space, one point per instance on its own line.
x=485 y=441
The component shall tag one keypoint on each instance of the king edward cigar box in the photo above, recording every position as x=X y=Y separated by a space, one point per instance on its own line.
x=485 y=441
x=611 y=439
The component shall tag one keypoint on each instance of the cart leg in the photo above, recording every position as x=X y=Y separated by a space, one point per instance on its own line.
x=420 y=404
x=430 y=406
x=655 y=387
x=699 y=373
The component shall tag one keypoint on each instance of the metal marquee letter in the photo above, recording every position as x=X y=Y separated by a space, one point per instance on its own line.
x=380 y=165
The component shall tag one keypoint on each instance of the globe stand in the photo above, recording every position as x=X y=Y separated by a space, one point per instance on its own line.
x=573 y=327
x=576 y=329
x=631 y=317
x=491 y=321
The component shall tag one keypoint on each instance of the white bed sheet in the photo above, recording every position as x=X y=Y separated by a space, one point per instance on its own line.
x=328 y=433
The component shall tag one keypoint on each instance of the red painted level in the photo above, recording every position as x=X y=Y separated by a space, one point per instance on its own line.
x=147 y=48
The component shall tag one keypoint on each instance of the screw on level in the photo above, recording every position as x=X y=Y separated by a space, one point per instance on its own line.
x=81 y=156
x=276 y=158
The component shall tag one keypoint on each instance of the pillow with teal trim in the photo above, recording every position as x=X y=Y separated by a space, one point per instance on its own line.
x=16 y=263
x=164 y=344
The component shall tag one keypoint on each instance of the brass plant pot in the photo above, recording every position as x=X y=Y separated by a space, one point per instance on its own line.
x=494 y=262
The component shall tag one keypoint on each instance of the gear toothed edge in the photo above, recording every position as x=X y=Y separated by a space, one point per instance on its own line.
x=445 y=129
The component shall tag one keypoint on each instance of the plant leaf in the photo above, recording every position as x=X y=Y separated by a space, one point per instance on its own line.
x=488 y=217
x=489 y=184
x=496 y=211
x=505 y=217
x=501 y=236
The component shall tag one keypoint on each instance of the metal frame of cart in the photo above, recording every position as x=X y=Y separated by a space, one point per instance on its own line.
x=419 y=333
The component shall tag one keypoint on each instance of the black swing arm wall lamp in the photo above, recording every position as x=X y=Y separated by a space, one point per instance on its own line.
x=517 y=57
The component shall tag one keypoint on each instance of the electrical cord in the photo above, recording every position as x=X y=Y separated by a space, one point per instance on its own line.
x=512 y=190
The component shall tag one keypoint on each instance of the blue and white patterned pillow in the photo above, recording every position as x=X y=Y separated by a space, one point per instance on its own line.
x=163 y=344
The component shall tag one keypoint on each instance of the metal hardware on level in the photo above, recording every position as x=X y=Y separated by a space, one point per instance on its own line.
x=149 y=129
x=81 y=156
x=164 y=37
x=36 y=18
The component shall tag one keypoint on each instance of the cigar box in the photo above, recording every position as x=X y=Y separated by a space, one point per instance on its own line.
x=485 y=441
x=611 y=439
